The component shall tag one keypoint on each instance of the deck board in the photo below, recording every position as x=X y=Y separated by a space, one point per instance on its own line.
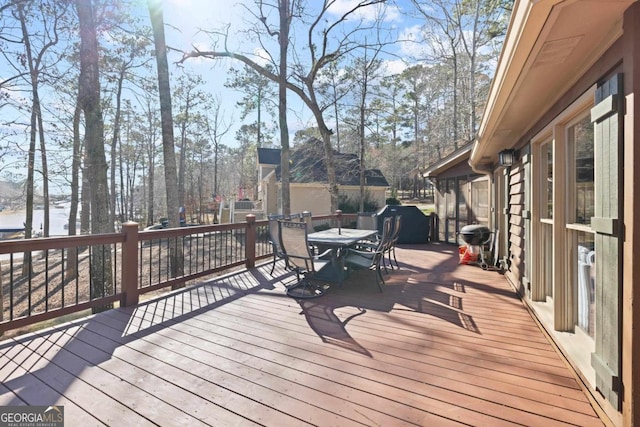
x=444 y=344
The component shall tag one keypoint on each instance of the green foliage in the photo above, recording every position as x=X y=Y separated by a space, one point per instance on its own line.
x=352 y=205
x=321 y=227
x=392 y=201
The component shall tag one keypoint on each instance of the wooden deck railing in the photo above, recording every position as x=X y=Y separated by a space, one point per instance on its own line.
x=45 y=278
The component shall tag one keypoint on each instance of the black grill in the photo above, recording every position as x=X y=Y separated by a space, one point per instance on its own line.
x=475 y=234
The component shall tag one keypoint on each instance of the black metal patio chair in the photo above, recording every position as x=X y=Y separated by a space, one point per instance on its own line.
x=274 y=239
x=391 y=247
x=367 y=221
x=356 y=258
x=293 y=238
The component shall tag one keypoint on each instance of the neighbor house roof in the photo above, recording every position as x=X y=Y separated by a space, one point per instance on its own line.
x=307 y=165
x=268 y=156
x=549 y=45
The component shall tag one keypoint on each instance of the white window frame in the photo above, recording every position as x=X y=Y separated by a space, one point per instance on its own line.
x=559 y=314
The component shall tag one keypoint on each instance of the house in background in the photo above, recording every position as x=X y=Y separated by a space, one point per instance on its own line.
x=560 y=138
x=461 y=194
x=268 y=161
x=308 y=179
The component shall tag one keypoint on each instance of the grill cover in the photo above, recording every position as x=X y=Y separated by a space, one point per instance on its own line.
x=414 y=226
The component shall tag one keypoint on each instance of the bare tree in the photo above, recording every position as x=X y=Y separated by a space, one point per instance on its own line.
x=333 y=88
x=364 y=72
x=123 y=62
x=216 y=128
x=188 y=97
x=51 y=17
x=168 y=148
x=324 y=45
x=259 y=95
x=150 y=136
x=96 y=167
x=457 y=30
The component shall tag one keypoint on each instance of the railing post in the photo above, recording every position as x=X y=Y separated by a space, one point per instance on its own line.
x=250 y=242
x=129 y=280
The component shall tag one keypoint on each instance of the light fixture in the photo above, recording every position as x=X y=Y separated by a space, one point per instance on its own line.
x=507 y=157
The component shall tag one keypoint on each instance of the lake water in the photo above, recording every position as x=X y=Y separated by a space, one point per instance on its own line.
x=58 y=217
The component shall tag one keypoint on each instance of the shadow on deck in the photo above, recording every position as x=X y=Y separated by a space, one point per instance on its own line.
x=444 y=344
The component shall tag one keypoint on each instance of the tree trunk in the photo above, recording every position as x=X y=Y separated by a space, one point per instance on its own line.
x=45 y=166
x=362 y=148
x=89 y=97
x=72 y=253
x=183 y=154
x=85 y=210
x=282 y=103
x=168 y=148
x=28 y=224
x=151 y=155
x=114 y=149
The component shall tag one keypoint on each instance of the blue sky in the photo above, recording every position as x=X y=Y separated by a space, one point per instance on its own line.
x=185 y=18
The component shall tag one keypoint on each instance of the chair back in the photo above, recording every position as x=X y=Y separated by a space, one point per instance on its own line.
x=274 y=231
x=396 y=229
x=386 y=238
x=307 y=219
x=367 y=221
x=293 y=238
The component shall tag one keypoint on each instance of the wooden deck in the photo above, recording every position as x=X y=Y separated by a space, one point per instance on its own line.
x=443 y=345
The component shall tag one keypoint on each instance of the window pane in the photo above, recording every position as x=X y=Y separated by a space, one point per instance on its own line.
x=586 y=278
x=451 y=198
x=581 y=137
x=462 y=200
x=442 y=208
x=547 y=258
x=547 y=151
x=480 y=200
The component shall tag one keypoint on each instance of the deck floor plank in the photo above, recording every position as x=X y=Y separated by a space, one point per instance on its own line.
x=444 y=383
x=444 y=344
x=146 y=382
x=34 y=356
x=406 y=367
x=448 y=349
x=299 y=385
x=236 y=379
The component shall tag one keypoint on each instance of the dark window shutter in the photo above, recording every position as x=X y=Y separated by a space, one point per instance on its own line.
x=607 y=118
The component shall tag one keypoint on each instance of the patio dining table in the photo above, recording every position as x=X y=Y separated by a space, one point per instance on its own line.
x=338 y=239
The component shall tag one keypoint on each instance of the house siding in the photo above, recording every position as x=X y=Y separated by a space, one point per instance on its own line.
x=555 y=306
x=517 y=186
x=516 y=225
x=316 y=199
x=309 y=197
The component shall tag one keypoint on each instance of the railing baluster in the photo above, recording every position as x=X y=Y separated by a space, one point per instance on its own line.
x=77 y=279
x=34 y=294
x=29 y=287
x=11 y=284
x=90 y=273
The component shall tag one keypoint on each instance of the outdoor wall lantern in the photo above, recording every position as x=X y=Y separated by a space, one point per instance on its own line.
x=507 y=157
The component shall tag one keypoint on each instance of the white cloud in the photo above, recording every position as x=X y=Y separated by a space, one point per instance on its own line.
x=388 y=13
x=410 y=43
x=261 y=56
x=394 y=66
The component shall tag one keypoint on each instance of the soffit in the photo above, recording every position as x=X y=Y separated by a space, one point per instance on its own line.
x=549 y=45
